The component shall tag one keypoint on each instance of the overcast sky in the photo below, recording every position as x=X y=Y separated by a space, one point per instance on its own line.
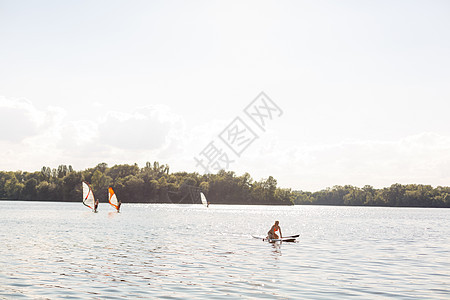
x=359 y=90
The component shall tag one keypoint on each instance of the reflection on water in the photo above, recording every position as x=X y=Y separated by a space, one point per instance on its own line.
x=53 y=250
x=112 y=214
x=276 y=248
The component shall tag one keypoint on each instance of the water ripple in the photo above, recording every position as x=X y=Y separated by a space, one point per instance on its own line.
x=58 y=250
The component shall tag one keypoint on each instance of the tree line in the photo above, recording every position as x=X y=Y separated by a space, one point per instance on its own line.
x=397 y=195
x=151 y=184
x=155 y=184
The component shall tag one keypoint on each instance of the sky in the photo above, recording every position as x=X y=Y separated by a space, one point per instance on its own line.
x=353 y=92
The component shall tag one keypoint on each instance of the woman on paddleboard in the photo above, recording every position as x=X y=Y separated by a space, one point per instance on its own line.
x=275 y=227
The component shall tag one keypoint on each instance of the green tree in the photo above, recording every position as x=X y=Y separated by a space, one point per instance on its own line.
x=354 y=196
x=13 y=188
x=29 y=191
x=100 y=183
x=71 y=186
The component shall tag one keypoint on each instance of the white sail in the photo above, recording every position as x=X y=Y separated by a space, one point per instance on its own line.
x=204 y=201
x=88 y=195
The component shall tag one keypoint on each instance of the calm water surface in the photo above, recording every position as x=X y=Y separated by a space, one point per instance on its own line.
x=62 y=250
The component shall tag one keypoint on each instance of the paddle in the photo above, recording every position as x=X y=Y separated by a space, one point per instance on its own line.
x=292 y=236
x=289 y=238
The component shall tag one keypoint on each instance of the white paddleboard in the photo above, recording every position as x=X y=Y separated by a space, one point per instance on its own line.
x=291 y=238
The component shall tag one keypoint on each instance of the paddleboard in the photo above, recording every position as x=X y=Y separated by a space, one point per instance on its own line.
x=291 y=238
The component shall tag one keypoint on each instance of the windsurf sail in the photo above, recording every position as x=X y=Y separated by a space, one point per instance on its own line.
x=113 y=198
x=88 y=195
x=204 y=201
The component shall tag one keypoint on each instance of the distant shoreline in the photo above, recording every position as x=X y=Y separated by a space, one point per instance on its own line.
x=153 y=183
x=79 y=201
x=330 y=205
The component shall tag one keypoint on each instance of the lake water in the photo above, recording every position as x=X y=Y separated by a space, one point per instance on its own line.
x=62 y=250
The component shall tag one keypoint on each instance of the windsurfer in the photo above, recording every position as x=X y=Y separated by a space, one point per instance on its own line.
x=275 y=227
x=118 y=205
x=95 y=205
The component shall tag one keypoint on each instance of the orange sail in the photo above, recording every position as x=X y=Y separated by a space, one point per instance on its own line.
x=113 y=198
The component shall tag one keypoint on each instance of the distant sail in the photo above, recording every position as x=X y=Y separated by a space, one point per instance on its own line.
x=204 y=201
x=113 y=198
x=88 y=195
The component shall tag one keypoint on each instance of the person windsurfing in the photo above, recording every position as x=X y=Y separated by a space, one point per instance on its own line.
x=118 y=205
x=95 y=205
x=275 y=227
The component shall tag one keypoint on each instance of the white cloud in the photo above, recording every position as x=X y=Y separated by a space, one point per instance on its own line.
x=18 y=119
x=422 y=158
x=47 y=137
x=146 y=128
x=152 y=133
